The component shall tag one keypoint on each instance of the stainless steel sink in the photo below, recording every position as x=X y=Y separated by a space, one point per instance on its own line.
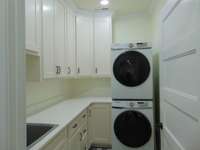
x=35 y=132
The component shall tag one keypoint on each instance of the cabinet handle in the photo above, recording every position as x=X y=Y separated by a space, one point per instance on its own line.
x=58 y=69
x=81 y=136
x=78 y=71
x=69 y=70
x=75 y=125
x=96 y=70
x=84 y=131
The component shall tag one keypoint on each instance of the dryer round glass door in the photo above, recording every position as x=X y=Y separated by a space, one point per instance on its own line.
x=131 y=68
x=132 y=129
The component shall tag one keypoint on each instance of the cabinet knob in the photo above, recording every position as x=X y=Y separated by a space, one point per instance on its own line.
x=84 y=131
x=58 y=69
x=84 y=116
x=75 y=125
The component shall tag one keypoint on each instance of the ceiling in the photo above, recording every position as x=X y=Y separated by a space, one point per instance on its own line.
x=119 y=7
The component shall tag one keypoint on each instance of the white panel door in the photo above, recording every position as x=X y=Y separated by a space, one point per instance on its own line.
x=180 y=75
x=71 y=38
x=49 y=69
x=102 y=45
x=60 y=38
x=33 y=26
x=84 y=45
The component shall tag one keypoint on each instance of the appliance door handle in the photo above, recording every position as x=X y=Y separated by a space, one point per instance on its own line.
x=114 y=107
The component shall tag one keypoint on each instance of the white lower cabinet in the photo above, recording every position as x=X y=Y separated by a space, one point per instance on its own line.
x=84 y=139
x=75 y=141
x=99 y=124
x=92 y=126
x=78 y=132
x=59 y=142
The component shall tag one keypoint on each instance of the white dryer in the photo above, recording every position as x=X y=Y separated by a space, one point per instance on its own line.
x=132 y=72
x=133 y=127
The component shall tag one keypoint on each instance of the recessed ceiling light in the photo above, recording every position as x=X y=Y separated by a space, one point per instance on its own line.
x=104 y=2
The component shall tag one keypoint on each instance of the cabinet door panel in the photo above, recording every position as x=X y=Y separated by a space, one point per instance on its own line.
x=102 y=42
x=33 y=25
x=48 y=39
x=71 y=50
x=75 y=141
x=100 y=124
x=84 y=44
x=59 y=142
x=60 y=41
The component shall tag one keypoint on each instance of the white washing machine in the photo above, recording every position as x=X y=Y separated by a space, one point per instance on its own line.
x=132 y=75
x=132 y=125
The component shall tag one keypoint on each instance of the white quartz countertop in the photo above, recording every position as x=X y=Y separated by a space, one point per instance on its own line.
x=62 y=114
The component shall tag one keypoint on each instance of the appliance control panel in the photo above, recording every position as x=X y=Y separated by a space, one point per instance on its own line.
x=133 y=104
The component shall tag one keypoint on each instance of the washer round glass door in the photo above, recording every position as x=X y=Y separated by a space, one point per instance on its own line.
x=131 y=68
x=132 y=129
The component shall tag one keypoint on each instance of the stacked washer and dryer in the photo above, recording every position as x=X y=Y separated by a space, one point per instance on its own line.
x=132 y=94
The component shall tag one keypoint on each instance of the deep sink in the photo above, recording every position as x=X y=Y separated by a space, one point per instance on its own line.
x=35 y=132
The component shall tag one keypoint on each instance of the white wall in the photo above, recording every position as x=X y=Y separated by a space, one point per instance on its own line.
x=132 y=28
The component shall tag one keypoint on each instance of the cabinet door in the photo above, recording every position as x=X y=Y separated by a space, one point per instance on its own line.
x=84 y=141
x=49 y=69
x=84 y=45
x=75 y=141
x=59 y=142
x=60 y=40
x=71 y=37
x=102 y=45
x=33 y=26
x=100 y=124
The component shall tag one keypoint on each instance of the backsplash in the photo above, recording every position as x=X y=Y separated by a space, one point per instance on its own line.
x=91 y=87
x=40 y=95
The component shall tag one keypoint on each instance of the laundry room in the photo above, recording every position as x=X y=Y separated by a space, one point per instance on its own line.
x=99 y=75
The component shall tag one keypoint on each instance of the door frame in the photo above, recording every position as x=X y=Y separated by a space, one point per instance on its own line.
x=12 y=78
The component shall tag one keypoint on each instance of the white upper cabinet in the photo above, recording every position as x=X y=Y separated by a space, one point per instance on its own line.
x=33 y=26
x=48 y=57
x=84 y=45
x=71 y=47
x=60 y=37
x=102 y=45
x=69 y=44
